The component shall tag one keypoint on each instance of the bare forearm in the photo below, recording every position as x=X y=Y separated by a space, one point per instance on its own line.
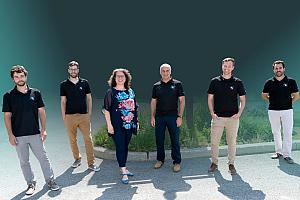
x=265 y=96
x=42 y=116
x=210 y=105
x=153 y=107
x=63 y=106
x=7 y=121
x=107 y=117
x=181 y=106
x=90 y=105
x=295 y=97
x=242 y=106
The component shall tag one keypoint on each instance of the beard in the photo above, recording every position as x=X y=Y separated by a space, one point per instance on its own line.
x=279 y=74
x=73 y=75
x=21 y=83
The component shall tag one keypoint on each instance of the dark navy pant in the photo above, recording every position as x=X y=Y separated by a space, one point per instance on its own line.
x=161 y=123
x=122 y=138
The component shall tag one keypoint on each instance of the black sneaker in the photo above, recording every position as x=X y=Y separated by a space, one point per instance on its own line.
x=276 y=156
x=52 y=185
x=31 y=188
x=232 y=169
x=213 y=167
x=289 y=160
x=76 y=163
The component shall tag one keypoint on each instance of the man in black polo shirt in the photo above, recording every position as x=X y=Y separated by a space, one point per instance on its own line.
x=164 y=113
x=76 y=110
x=23 y=107
x=225 y=112
x=281 y=92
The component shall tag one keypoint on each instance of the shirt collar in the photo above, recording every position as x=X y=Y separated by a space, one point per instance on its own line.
x=15 y=90
x=170 y=81
x=284 y=79
x=224 y=79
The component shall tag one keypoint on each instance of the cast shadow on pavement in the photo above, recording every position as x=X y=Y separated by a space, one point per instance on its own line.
x=290 y=169
x=66 y=179
x=163 y=179
x=237 y=188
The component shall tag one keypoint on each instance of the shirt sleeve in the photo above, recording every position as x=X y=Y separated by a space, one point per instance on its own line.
x=6 y=107
x=107 y=100
x=211 y=88
x=294 y=87
x=241 y=89
x=39 y=99
x=154 y=95
x=180 y=90
x=266 y=87
x=62 y=90
x=87 y=88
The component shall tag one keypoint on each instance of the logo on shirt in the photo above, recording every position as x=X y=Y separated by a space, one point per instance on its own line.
x=285 y=85
x=32 y=98
x=172 y=87
x=80 y=88
x=231 y=87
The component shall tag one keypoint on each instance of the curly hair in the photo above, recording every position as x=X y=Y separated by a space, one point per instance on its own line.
x=17 y=69
x=112 y=79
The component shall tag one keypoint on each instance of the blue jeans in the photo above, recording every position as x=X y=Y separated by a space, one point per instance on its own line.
x=122 y=138
x=161 y=122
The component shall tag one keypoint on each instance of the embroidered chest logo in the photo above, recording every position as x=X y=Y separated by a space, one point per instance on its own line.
x=32 y=98
x=80 y=88
x=285 y=85
x=172 y=87
x=231 y=87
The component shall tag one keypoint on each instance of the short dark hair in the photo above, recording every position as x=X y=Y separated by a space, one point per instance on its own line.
x=17 y=69
x=112 y=79
x=73 y=63
x=228 y=59
x=278 y=62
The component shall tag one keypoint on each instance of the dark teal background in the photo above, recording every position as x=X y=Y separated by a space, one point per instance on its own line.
x=193 y=36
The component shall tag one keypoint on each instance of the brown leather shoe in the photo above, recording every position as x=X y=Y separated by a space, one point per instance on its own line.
x=176 y=167
x=232 y=169
x=158 y=164
x=213 y=167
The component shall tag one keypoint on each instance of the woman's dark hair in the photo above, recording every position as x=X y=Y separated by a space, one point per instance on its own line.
x=112 y=79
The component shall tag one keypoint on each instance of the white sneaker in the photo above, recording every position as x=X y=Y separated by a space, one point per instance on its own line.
x=94 y=168
x=31 y=188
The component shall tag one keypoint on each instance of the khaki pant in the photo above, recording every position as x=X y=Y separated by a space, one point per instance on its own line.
x=217 y=127
x=81 y=121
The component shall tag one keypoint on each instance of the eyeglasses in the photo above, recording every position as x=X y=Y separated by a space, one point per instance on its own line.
x=74 y=70
x=120 y=76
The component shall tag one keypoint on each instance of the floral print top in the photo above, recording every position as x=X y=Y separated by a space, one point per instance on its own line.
x=122 y=107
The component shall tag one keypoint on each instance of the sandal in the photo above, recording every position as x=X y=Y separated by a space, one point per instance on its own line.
x=124 y=181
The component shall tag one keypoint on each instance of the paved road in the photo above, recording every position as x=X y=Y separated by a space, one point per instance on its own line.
x=258 y=177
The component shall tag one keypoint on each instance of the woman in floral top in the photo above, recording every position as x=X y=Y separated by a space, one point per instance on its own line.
x=120 y=110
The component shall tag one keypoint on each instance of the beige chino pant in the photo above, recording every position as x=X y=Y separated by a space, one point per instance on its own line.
x=81 y=121
x=217 y=127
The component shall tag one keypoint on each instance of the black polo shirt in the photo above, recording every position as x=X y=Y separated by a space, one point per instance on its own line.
x=280 y=93
x=75 y=95
x=225 y=93
x=24 y=111
x=166 y=95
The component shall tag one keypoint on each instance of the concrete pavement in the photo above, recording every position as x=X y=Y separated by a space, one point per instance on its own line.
x=259 y=177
